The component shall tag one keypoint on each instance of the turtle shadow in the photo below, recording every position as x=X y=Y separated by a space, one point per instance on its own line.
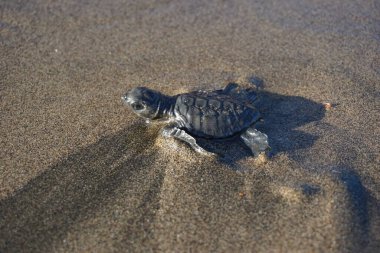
x=282 y=116
x=75 y=189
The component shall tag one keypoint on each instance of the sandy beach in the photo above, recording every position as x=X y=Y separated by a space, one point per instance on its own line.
x=79 y=172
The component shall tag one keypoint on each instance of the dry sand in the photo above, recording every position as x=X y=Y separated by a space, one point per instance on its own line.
x=80 y=173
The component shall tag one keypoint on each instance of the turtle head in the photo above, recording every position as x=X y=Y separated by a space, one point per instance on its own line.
x=143 y=101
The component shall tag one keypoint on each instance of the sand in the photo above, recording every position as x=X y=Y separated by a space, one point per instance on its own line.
x=79 y=172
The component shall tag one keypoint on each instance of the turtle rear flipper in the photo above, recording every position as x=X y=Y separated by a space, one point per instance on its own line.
x=250 y=95
x=256 y=141
x=233 y=89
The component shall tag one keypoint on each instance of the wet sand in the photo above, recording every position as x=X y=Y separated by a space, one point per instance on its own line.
x=80 y=173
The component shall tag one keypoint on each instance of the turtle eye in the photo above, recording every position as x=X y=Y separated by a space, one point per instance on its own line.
x=137 y=106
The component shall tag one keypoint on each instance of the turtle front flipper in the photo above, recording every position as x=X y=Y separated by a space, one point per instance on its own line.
x=174 y=131
x=256 y=141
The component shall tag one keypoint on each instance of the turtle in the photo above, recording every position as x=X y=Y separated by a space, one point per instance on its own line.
x=206 y=114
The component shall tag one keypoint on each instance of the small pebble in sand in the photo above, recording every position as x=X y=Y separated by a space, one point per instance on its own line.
x=327 y=106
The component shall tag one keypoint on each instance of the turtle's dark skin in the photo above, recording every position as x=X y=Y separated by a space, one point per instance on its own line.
x=206 y=114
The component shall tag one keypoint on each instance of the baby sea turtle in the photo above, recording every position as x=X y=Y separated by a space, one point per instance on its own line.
x=206 y=114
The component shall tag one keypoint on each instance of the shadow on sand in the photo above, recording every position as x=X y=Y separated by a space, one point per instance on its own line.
x=358 y=202
x=282 y=116
x=45 y=209
x=74 y=189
